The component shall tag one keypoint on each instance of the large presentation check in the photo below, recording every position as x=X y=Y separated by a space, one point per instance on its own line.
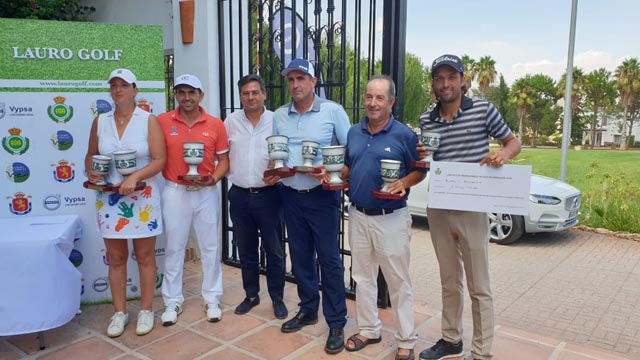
x=471 y=187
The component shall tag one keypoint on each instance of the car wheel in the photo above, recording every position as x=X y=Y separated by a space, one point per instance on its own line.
x=505 y=229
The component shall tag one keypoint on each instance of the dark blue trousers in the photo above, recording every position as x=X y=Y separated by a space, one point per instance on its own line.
x=253 y=211
x=312 y=221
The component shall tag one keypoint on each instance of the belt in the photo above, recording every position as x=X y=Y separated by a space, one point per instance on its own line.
x=174 y=185
x=254 y=190
x=319 y=187
x=375 y=212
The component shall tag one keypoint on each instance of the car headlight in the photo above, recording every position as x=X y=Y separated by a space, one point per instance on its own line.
x=544 y=199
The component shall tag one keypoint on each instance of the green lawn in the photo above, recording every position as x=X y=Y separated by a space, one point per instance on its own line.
x=579 y=163
x=609 y=181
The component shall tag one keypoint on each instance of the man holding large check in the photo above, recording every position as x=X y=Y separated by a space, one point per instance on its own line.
x=461 y=237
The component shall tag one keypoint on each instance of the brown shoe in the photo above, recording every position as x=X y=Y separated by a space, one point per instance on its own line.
x=409 y=356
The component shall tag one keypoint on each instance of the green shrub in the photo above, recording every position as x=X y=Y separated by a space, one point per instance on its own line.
x=613 y=201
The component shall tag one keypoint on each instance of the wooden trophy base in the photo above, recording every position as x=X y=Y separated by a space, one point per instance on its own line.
x=335 y=186
x=140 y=185
x=283 y=172
x=199 y=178
x=306 y=169
x=420 y=164
x=385 y=195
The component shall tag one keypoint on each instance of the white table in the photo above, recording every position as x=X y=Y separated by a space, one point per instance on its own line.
x=40 y=287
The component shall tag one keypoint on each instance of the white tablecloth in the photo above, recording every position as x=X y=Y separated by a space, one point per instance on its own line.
x=39 y=286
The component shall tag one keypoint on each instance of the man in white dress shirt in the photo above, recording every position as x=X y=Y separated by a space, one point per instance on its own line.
x=255 y=203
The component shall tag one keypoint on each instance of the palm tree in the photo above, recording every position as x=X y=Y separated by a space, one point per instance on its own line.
x=469 y=66
x=628 y=84
x=600 y=93
x=485 y=74
x=522 y=97
x=577 y=91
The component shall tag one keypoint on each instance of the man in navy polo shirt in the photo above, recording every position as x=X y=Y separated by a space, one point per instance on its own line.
x=380 y=230
x=312 y=214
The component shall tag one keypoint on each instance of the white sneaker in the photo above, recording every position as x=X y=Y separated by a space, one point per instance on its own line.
x=118 y=321
x=145 y=322
x=214 y=314
x=170 y=314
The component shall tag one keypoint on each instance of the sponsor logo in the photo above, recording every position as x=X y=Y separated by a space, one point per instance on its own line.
x=64 y=171
x=74 y=200
x=101 y=284
x=174 y=131
x=3 y=111
x=101 y=106
x=20 y=204
x=18 y=172
x=20 y=111
x=145 y=105
x=60 y=112
x=15 y=144
x=160 y=252
x=51 y=202
x=445 y=58
x=76 y=257
x=62 y=140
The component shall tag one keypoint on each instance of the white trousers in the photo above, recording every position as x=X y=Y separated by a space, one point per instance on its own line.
x=180 y=209
x=382 y=241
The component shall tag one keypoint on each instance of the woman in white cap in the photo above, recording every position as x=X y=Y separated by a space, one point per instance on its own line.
x=133 y=211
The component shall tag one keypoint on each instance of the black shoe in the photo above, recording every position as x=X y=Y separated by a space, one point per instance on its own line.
x=301 y=319
x=335 y=341
x=280 y=310
x=442 y=350
x=247 y=304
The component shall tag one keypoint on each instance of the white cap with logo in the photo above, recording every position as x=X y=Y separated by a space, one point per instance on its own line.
x=124 y=74
x=189 y=80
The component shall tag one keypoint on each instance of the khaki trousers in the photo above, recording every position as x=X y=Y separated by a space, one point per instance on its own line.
x=382 y=241
x=460 y=240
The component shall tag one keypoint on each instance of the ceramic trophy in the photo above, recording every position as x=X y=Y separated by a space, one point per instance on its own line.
x=126 y=164
x=278 y=152
x=193 y=153
x=100 y=164
x=431 y=141
x=333 y=162
x=390 y=172
x=309 y=153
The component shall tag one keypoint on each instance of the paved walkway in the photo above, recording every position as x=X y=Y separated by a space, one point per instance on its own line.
x=575 y=286
x=535 y=286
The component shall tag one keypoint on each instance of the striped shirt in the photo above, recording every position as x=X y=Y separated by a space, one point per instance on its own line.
x=466 y=138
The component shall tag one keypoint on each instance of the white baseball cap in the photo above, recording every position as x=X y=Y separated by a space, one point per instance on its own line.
x=124 y=74
x=189 y=80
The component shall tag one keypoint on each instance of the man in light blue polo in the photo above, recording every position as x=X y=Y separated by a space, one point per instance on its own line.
x=311 y=213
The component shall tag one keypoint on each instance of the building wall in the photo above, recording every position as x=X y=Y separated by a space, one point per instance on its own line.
x=140 y=12
x=199 y=58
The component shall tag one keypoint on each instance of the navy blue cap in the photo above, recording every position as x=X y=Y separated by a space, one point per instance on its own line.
x=302 y=65
x=448 y=59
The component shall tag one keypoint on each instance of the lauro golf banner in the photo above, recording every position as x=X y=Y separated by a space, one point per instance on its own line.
x=53 y=83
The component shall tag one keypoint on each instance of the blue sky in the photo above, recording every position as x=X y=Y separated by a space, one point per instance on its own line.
x=525 y=36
